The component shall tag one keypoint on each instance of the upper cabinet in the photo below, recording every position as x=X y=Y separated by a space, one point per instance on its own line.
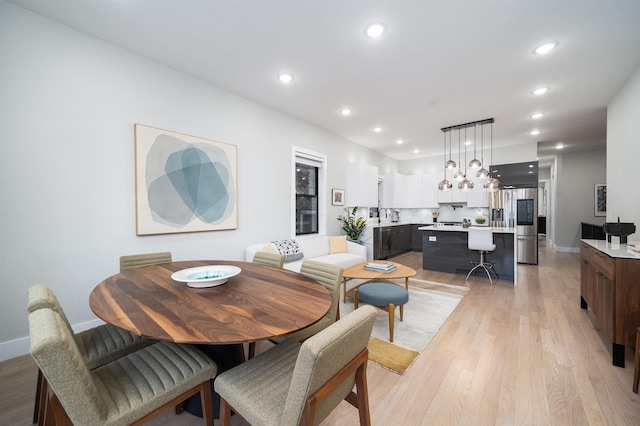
x=430 y=190
x=477 y=197
x=362 y=185
x=413 y=192
x=393 y=191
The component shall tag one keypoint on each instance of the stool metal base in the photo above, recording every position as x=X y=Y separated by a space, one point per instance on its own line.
x=488 y=268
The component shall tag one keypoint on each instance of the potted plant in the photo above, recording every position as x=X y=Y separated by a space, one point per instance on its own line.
x=352 y=226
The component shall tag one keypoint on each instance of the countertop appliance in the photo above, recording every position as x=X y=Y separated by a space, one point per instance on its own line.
x=395 y=216
x=619 y=229
x=518 y=208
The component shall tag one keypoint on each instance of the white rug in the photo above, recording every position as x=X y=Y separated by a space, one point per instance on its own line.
x=429 y=306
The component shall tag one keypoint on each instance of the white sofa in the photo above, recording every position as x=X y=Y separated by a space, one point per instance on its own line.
x=315 y=248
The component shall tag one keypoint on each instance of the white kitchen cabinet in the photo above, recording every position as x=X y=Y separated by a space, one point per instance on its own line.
x=393 y=191
x=477 y=197
x=430 y=190
x=413 y=192
x=362 y=185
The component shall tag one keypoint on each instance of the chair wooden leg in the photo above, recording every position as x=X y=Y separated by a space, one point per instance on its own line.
x=401 y=312
x=206 y=399
x=252 y=350
x=355 y=299
x=225 y=413
x=363 y=395
x=392 y=312
x=636 y=369
x=40 y=407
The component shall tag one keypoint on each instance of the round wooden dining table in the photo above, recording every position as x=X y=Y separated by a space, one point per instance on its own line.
x=261 y=302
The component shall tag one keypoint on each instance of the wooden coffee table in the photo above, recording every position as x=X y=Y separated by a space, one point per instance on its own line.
x=358 y=271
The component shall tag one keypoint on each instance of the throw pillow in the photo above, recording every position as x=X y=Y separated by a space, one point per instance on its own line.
x=290 y=249
x=338 y=244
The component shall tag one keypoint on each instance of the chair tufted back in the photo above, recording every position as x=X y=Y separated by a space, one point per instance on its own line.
x=39 y=296
x=329 y=276
x=137 y=260
x=270 y=259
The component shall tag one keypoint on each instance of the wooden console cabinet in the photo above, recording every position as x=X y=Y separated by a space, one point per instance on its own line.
x=610 y=286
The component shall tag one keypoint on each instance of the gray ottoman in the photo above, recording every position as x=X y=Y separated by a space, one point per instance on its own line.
x=385 y=296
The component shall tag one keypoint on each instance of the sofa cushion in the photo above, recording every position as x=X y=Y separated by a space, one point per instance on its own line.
x=338 y=244
x=340 y=259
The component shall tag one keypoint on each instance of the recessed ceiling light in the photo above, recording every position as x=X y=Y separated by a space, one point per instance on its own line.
x=285 y=77
x=537 y=115
x=540 y=91
x=467 y=143
x=346 y=111
x=375 y=30
x=415 y=151
x=399 y=141
x=535 y=132
x=545 y=48
x=377 y=129
x=559 y=146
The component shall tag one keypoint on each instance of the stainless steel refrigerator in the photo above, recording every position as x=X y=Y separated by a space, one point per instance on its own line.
x=518 y=208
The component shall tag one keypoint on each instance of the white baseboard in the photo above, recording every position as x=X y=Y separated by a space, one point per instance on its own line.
x=20 y=346
x=567 y=249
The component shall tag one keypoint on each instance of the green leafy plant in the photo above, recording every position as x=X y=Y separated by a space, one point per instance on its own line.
x=352 y=226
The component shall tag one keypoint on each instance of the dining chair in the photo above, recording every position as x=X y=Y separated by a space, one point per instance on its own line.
x=301 y=383
x=270 y=259
x=130 y=390
x=329 y=276
x=138 y=260
x=97 y=346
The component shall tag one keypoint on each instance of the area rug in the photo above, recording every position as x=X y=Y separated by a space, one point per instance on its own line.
x=429 y=306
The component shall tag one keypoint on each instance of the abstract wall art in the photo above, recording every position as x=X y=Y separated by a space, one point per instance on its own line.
x=600 y=199
x=183 y=183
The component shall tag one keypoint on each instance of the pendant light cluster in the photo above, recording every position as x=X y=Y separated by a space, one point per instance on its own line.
x=464 y=184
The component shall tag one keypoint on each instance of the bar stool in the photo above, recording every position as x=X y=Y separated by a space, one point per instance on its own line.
x=481 y=239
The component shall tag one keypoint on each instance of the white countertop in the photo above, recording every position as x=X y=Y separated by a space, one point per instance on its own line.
x=458 y=228
x=614 y=249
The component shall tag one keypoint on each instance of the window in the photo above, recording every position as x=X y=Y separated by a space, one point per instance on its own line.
x=306 y=199
x=309 y=182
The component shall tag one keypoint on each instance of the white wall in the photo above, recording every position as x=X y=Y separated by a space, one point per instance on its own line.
x=623 y=151
x=576 y=174
x=68 y=103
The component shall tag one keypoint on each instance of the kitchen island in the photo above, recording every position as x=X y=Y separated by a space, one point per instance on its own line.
x=445 y=249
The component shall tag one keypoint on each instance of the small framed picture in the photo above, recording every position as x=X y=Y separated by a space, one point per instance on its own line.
x=337 y=197
x=600 y=194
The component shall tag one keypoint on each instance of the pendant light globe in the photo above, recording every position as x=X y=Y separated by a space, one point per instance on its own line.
x=482 y=173
x=450 y=165
x=492 y=185
x=445 y=185
x=466 y=185
x=459 y=175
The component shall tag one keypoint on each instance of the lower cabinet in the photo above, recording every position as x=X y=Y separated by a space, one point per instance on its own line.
x=391 y=240
x=609 y=287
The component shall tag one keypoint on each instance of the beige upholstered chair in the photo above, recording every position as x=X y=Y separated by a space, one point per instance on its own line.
x=329 y=276
x=301 y=383
x=130 y=390
x=97 y=346
x=137 y=260
x=270 y=259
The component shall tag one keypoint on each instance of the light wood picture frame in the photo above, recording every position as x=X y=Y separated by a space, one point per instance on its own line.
x=183 y=183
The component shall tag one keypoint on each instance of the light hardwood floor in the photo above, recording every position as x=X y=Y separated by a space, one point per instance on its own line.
x=524 y=355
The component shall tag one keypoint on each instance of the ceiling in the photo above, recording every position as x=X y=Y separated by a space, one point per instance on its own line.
x=440 y=63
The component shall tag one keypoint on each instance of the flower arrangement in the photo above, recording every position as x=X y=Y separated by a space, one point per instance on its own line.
x=352 y=226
